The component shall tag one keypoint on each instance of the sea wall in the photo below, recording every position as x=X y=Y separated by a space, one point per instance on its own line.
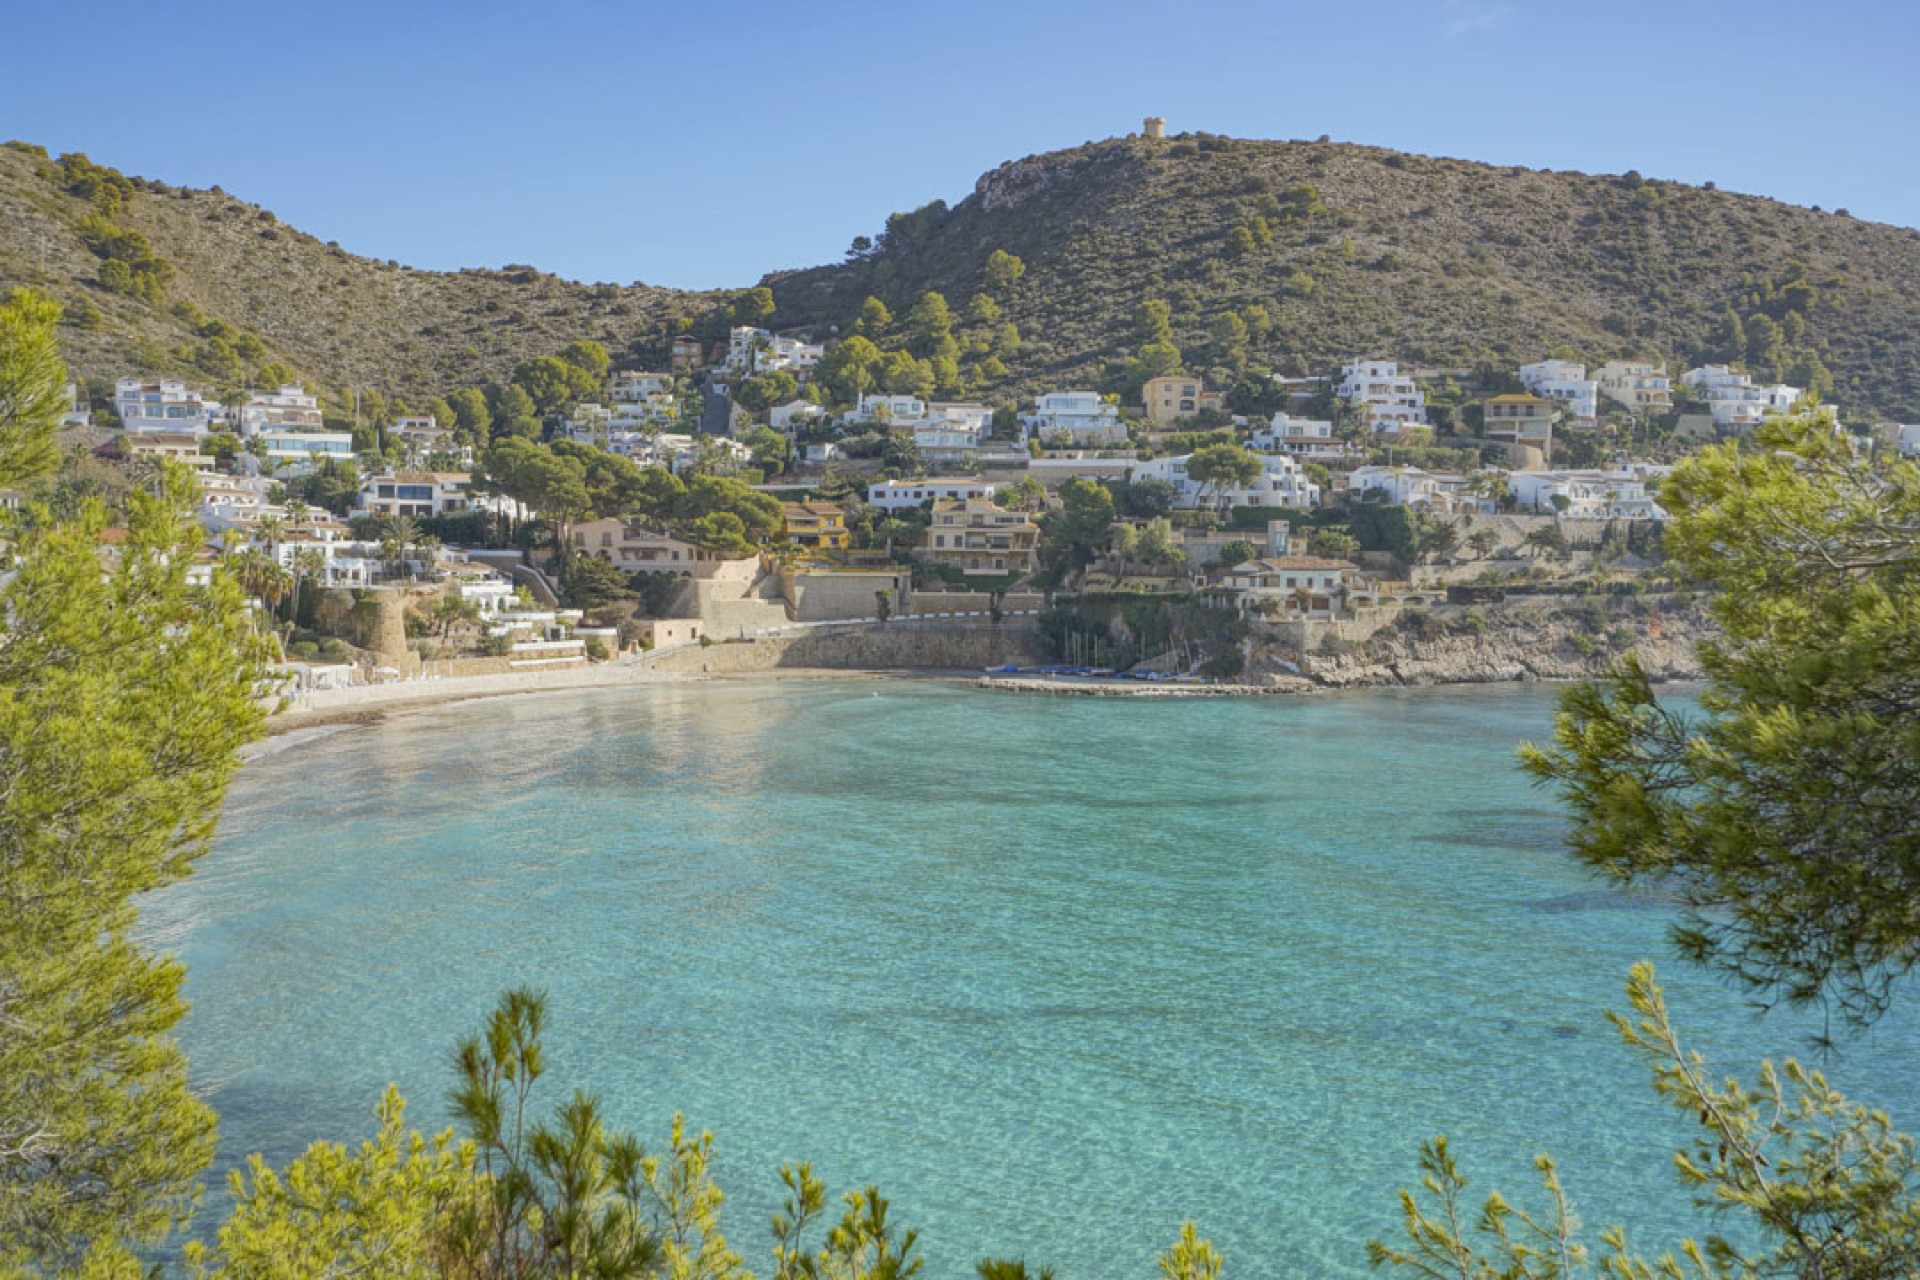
x=920 y=603
x=876 y=647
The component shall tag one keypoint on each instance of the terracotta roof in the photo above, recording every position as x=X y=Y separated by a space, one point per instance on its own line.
x=1301 y=563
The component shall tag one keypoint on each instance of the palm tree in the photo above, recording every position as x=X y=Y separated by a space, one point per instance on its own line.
x=261 y=577
x=399 y=535
x=308 y=562
x=271 y=531
x=427 y=545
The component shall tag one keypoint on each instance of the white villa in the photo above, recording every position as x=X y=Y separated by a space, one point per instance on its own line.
x=1438 y=492
x=337 y=560
x=1387 y=402
x=229 y=500
x=1736 y=403
x=904 y=495
x=160 y=406
x=1592 y=495
x=417 y=494
x=786 y=418
x=1310 y=438
x=641 y=399
x=633 y=386
x=291 y=451
x=1281 y=484
x=288 y=409
x=1567 y=382
x=752 y=350
x=1300 y=586
x=1077 y=418
x=888 y=409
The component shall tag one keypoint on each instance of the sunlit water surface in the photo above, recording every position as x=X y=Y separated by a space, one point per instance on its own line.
x=1053 y=973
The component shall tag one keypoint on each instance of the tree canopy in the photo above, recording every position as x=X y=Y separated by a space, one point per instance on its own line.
x=125 y=695
x=1788 y=818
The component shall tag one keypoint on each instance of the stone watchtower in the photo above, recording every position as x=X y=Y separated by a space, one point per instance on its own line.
x=1155 y=128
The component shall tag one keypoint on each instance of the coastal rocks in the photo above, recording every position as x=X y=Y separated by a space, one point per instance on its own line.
x=1557 y=639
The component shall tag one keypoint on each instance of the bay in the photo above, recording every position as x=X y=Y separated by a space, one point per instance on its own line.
x=1054 y=973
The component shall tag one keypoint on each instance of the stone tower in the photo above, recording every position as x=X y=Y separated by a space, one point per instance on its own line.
x=1155 y=127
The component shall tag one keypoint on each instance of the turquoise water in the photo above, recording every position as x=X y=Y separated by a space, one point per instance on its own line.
x=1054 y=973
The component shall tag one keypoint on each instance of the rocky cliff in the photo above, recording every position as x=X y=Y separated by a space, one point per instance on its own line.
x=1534 y=638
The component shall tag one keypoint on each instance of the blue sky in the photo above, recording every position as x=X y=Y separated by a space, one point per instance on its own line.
x=701 y=144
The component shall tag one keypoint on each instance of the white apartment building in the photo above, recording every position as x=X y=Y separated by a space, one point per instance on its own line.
x=1906 y=439
x=290 y=408
x=1640 y=385
x=905 y=495
x=1735 y=402
x=1565 y=381
x=1387 y=402
x=159 y=406
x=1077 y=418
x=1281 y=484
x=77 y=414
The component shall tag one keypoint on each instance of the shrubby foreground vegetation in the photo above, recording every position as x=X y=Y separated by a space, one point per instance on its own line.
x=1784 y=820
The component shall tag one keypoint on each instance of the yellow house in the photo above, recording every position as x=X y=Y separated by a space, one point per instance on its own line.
x=1173 y=396
x=818 y=526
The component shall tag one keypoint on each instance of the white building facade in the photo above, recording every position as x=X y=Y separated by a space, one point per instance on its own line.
x=160 y=406
x=1076 y=419
x=1385 y=401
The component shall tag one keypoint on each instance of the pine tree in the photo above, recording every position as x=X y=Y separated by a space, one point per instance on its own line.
x=124 y=698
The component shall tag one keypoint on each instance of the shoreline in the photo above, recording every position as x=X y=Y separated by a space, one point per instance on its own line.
x=378 y=703
x=331 y=712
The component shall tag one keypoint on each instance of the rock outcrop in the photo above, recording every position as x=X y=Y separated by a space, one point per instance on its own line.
x=1533 y=638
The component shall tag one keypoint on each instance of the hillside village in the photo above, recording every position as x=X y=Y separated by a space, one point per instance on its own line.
x=751 y=490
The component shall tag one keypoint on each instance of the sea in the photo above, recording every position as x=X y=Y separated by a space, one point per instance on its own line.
x=1054 y=974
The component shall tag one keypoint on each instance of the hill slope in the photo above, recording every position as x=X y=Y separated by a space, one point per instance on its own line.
x=1434 y=261
x=1348 y=250
x=330 y=315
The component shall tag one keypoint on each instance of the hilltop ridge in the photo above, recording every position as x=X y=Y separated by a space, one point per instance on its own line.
x=1334 y=249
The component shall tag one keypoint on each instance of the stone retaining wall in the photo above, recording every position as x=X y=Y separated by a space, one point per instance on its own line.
x=875 y=647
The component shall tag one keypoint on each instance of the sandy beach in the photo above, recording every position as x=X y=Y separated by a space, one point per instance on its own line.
x=329 y=711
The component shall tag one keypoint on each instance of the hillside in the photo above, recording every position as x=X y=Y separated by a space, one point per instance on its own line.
x=328 y=314
x=1330 y=251
x=1436 y=262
